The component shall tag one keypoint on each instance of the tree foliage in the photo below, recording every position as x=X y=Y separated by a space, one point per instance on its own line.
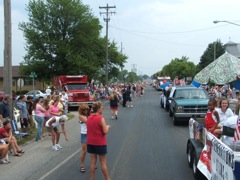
x=178 y=67
x=215 y=49
x=63 y=37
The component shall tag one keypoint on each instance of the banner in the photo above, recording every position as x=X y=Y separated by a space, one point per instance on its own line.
x=222 y=161
x=216 y=161
x=204 y=163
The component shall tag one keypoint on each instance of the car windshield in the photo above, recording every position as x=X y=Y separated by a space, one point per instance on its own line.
x=76 y=86
x=190 y=94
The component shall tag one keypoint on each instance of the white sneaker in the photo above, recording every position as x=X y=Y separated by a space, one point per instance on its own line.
x=54 y=148
x=58 y=146
x=4 y=162
x=112 y=117
x=131 y=105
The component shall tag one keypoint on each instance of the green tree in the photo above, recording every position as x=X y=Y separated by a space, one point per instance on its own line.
x=179 y=67
x=145 y=76
x=215 y=49
x=63 y=37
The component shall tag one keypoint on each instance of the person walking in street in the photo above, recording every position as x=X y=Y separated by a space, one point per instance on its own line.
x=53 y=123
x=39 y=117
x=96 y=139
x=114 y=104
x=4 y=109
x=83 y=111
x=128 y=97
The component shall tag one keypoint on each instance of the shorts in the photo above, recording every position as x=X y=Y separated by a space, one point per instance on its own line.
x=83 y=138
x=24 y=123
x=55 y=129
x=99 y=150
x=114 y=108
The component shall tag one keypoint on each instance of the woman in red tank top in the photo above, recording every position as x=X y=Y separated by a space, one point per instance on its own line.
x=96 y=139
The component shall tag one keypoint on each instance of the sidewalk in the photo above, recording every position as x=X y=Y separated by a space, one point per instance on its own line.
x=39 y=158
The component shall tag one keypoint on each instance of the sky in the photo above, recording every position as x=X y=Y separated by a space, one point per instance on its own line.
x=150 y=32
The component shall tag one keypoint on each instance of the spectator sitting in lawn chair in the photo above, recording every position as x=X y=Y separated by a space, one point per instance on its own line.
x=7 y=136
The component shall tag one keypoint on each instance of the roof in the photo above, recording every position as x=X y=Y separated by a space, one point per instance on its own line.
x=233 y=48
x=15 y=71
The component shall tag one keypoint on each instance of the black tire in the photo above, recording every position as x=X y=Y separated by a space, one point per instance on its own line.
x=197 y=174
x=190 y=155
x=162 y=105
x=170 y=113
x=175 y=121
x=167 y=107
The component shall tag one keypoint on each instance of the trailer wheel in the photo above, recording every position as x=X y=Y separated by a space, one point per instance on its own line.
x=189 y=155
x=197 y=174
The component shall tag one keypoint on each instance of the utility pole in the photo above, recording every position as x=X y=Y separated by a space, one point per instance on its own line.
x=107 y=19
x=122 y=67
x=7 y=72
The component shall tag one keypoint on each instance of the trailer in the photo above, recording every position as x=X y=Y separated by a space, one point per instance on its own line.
x=208 y=156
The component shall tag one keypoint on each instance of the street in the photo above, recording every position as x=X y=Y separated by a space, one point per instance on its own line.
x=143 y=144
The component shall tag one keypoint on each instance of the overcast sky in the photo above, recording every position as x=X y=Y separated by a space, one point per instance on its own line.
x=152 y=32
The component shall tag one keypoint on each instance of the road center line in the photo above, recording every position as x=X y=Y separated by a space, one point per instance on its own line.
x=60 y=164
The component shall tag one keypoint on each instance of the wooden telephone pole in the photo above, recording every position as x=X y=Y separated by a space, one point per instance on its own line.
x=7 y=72
x=107 y=19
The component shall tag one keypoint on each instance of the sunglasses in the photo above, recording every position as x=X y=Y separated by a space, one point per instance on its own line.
x=86 y=109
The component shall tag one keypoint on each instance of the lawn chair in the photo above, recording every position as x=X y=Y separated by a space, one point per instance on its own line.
x=16 y=114
x=15 y=130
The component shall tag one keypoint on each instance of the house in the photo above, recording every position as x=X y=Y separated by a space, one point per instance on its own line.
x=28 y=81
x=233 y=48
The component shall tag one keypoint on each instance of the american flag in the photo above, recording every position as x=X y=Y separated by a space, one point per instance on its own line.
x=237 y=130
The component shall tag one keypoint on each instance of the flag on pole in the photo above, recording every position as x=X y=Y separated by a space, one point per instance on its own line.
x=237 y=130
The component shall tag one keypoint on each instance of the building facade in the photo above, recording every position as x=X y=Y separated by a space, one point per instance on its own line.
x=27 y=81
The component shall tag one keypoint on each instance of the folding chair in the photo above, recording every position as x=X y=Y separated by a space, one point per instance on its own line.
x=15 y=130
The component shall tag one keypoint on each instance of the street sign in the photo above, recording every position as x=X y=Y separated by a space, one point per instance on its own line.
x=33 y=75
x=20 y=82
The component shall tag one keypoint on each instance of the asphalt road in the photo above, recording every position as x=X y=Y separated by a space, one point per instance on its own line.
x=143 y=144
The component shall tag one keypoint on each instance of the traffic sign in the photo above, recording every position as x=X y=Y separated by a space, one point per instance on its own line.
x=20 y=82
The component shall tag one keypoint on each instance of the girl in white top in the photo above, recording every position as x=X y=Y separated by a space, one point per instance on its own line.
x=83 y=111
x=224 y=111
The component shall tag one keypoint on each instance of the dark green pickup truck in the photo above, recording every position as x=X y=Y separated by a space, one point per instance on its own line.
x=186 y=102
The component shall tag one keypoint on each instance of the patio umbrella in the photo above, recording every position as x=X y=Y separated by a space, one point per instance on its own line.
x=223 y=70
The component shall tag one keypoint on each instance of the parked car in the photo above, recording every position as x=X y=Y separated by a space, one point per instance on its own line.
x=39 y=94
x=186 y=102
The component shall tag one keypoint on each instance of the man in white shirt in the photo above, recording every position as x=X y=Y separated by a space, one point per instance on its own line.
x=48 y=91
x=64 y=100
